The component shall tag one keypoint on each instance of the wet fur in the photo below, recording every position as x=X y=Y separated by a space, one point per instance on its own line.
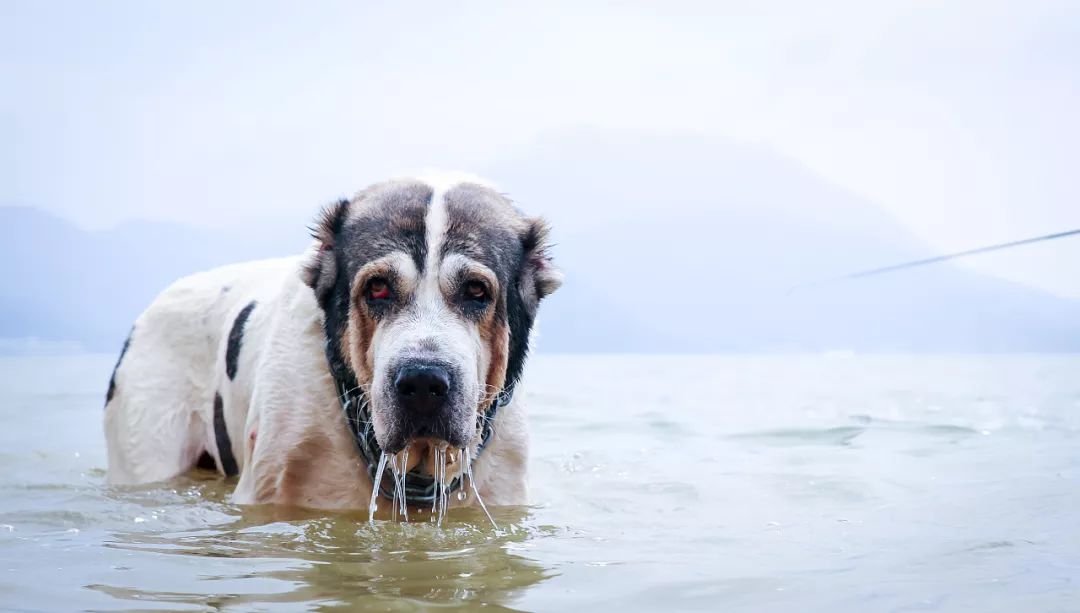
x=204 y=344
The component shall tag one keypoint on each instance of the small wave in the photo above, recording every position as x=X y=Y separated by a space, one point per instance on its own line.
x=784 y=437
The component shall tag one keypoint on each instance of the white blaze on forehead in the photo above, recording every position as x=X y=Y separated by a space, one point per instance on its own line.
x=435 y=222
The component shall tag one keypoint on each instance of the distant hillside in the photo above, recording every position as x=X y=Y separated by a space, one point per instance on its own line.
x=708 y=238
x=66 y=284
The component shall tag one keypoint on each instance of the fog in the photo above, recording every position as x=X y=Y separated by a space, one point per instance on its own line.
x=696 y=160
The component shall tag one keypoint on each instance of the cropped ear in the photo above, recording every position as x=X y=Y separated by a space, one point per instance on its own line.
x=539 y=276
x=320 y=271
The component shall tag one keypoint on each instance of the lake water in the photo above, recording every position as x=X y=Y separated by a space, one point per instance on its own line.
x=813 y=483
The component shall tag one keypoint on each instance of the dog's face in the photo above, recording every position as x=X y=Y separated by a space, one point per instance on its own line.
x=429 y=291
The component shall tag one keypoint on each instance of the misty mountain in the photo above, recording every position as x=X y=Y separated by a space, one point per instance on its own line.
x=67 y=284
x=708 y=240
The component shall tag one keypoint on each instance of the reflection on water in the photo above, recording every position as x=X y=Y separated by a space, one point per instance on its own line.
x=337 y=560
x=753 y=483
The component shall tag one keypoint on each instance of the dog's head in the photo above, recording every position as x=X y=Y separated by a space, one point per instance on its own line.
x=429 y=290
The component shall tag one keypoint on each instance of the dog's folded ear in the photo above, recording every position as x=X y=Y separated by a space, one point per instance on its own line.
x=320 y=270
x=539 y=275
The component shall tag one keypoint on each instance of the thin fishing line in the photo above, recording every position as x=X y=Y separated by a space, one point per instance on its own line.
x=934 y=260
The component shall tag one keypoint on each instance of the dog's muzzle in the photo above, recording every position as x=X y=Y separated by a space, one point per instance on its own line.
x=420 y=489
x=428 y=404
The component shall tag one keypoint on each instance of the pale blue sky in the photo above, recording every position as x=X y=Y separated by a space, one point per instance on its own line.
x=957 y=118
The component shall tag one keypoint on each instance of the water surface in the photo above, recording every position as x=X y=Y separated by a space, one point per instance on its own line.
x=906 y=483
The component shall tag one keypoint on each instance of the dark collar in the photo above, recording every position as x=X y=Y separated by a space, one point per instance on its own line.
x=419 y=488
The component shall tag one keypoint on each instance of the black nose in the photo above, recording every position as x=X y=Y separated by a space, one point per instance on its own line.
x=422 y=388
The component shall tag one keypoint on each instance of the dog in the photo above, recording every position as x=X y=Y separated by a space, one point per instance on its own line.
x=398 y=339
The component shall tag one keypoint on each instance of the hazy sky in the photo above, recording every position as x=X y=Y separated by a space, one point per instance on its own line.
x=958 y=118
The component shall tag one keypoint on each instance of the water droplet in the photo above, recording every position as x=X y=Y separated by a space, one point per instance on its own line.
x=461 y=495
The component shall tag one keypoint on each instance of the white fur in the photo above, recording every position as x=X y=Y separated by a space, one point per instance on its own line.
x=282 y=412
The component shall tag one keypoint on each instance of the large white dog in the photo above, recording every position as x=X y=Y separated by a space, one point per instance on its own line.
x=401 y=334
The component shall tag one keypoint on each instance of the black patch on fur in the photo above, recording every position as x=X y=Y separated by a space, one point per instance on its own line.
x=221 y=433
x=524 y=299
x=481 y=225
x=382 y=219
x=236 y=340
x=112 y=378
x=387 y=218
x=520 y=321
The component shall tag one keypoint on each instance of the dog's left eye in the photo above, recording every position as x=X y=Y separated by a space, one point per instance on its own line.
x=476 y=291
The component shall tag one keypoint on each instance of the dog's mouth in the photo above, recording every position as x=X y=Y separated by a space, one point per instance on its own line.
x=426 y=469
x=431 y=457
x=420 y=439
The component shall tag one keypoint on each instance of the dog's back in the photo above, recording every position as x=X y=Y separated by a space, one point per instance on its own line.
x=159 y=413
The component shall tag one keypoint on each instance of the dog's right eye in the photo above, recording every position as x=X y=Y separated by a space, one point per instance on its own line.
x=378 y=290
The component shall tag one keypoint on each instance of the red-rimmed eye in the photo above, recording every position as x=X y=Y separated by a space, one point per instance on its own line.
x=378 y=289
x=475 y=290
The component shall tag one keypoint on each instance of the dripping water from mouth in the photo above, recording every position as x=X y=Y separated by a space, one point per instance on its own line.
x=444 y=499
x=399 y=485
x=375 y=488
x=441 y=498
x=394 y=500
x=399 y=504
x=437 y=458
x=472 y=485
x=440 y=502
